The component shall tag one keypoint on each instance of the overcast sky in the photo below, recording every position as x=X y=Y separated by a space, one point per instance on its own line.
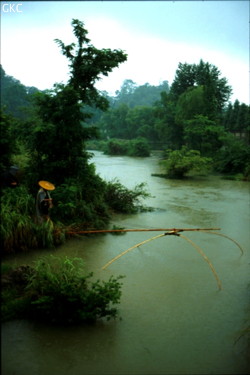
x=155 y=35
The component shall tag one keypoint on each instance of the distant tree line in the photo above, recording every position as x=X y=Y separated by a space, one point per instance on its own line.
x=194 y=112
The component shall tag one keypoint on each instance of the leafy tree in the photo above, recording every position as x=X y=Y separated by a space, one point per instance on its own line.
x=7 y=141
x=127 y=90
x=203 y=135
x=140 y=122
x=113 y=123
x=190 y=103
x=168 y=131
x=144 y=95
x=234 y=156
x=185 y=77
x=243 y=120
x=59 y=139
x=216 y=90
x=236 y=119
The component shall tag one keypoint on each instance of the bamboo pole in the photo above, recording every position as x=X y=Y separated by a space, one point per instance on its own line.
x=131 y=248
x=172 y=232
x=141 y=230
x=229 y=238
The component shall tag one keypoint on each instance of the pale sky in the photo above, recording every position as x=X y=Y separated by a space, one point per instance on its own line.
x=156 y=35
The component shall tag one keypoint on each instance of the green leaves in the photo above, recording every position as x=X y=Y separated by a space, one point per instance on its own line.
x=59 y=140
x=122 y=199
x=183 y=161
x=62 y=292
x=216 y=90
x=88 y=64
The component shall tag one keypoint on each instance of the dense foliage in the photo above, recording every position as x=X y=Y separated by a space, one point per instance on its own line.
x=179 y=163
x=48 y=139
x=194 y=112
x=58 y=290
x=123 y=199
x=50 y=144
x=134 y=147
x=134 y=96
x=19 y=230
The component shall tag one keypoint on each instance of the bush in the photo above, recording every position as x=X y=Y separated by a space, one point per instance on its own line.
x=139 y=147
x=183 y=161
x=124 y=200
x=233 y=157
x=117 y=147
x=59 y=291
x=134 y=147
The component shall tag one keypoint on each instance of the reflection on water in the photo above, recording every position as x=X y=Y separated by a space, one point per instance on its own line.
x=173 y=318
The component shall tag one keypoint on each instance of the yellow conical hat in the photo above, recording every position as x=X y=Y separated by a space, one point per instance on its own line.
x=46 y=185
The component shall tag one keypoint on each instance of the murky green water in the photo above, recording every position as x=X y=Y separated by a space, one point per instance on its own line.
x=174 y=319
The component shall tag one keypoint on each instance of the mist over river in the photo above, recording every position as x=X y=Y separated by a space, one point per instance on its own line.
x=173 y=318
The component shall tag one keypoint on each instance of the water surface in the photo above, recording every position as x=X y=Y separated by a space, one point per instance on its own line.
x=173 y=318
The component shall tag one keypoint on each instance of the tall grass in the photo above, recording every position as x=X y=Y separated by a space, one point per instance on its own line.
x=18 y=229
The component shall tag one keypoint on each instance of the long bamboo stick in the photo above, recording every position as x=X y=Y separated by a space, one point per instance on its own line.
x=229 y=238
x=164 y=234
x=131 y=248
x=142 y=230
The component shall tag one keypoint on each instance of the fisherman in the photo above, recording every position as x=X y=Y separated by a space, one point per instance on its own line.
x=44 y=201
x=9 y=178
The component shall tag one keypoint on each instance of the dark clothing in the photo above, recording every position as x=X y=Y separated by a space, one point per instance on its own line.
x=8 y=180
x=43 y=204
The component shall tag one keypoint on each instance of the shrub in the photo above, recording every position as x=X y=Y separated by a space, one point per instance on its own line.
x=124 y=200
x=139 y=147
x=117 y=147
x=59 y=291
x=183 y=161
x=134 y=147
x=233 y=157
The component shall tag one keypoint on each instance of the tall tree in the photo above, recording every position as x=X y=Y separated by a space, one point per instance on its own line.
x=216 y=89
x=203 y=135
x=59 y=139
x=7 y=141
x=168 y=131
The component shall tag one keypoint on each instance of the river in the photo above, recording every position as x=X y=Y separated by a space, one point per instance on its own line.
x=173 y=318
